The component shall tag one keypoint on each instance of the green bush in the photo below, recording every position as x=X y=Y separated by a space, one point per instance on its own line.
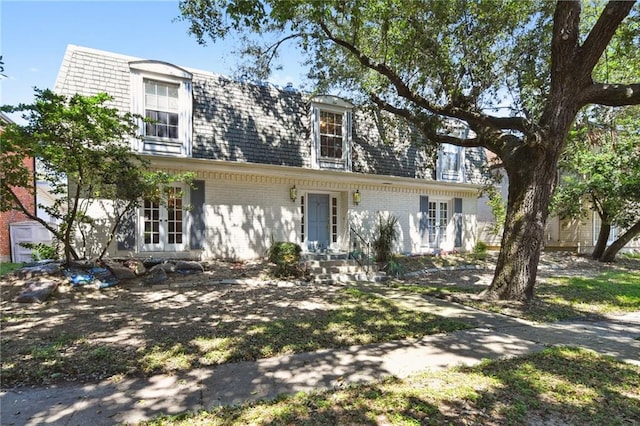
x=41 y=251
x=286 y=257
x=386 y=236
x=480 y=248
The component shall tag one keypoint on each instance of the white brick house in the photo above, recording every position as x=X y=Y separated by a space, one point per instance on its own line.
x=275 y=163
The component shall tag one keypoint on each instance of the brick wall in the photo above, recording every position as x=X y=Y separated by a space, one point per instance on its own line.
x=6 y=218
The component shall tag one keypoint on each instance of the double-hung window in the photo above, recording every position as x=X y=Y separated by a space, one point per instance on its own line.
x=331 y=138
x=450 y=163
x=162 y=94
x=161 y=108
x=331 y=133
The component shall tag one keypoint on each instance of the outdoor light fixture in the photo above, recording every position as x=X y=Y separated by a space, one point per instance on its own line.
x=293 y=193
x=356 y=197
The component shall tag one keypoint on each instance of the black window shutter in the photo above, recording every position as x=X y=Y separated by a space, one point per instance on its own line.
x=424 y=220
x=457 y=210
x=424 y=203
x=126 y=232
x=197 y=232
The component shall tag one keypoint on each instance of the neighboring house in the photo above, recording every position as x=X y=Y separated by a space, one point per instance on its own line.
x=274 y=163
x=579 y=235
x=15 y=226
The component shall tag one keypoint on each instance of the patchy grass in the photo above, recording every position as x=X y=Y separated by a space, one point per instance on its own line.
x=416 y=263
x=361 y=318
x=6 y=267
x=556 y=386
x=608 y=292
x=631 y=255
x=356 y=317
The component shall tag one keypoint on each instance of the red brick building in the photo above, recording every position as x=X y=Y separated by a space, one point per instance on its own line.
x=26 y=197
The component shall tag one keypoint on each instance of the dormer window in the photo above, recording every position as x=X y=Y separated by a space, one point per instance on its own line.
x=162 y=93
x=450 y=163
x=161 y=105
x=331 y=136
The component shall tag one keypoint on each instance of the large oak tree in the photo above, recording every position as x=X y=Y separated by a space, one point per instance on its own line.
x=516 y=72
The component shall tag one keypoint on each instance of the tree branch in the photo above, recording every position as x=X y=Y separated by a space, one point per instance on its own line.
x=272 y=49
x=602 y=32
x=429 y=132
x=612 y=94
x=564 y=42
x=512 y=123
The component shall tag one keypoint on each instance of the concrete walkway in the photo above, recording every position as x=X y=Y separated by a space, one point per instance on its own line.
x=133 y=400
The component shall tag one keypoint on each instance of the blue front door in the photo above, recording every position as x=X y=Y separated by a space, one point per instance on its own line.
x=318 y=220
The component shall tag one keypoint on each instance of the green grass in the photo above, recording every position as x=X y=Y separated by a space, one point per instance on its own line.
x=556 y=386
x=6 y=267
x=360 y=318
x=556 y=299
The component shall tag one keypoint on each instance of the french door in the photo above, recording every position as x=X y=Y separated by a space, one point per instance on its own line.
x=433 y=223
x=164 y=224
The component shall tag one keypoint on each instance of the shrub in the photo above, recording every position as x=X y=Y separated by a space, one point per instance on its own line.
x=41 y=251
x=286 y=257
x=480 y=248
x=386 y=236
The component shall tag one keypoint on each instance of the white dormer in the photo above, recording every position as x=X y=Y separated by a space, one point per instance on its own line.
x=331 y=133
x=163 y=93
x=450 y=166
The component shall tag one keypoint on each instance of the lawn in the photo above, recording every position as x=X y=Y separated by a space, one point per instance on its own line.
x=557 y=298
x=88 y=335
x=6 y=267
x=129 y=333
x=557 y=386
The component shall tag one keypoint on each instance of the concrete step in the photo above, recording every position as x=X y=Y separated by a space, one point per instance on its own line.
x=343 y=269
x=325 y=256
x=345 y=278
x=331 y=263
x=336 y=267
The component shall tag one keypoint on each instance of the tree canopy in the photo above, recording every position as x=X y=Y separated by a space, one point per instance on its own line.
x=516 y=72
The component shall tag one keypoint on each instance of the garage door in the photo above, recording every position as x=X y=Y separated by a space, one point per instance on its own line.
x=26 y=232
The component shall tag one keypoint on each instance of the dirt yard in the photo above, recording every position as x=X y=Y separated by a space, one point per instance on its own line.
x=125 y=321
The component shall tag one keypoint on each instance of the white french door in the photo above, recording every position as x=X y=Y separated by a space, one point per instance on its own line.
x=437 y=220
x=163 y=225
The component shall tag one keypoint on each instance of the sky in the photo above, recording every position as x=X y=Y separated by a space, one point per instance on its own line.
x=34 y=36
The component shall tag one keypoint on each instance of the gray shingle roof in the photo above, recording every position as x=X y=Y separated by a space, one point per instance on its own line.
x=236 y=121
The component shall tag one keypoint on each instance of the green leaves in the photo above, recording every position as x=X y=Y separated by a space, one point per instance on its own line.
x=601 y=169
x=83 y=147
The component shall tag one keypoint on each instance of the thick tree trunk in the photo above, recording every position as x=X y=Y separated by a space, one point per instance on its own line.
x=609 y=254
x=603 y=237
x=532 y=179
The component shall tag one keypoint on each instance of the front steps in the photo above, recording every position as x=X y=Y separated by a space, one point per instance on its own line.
x=335 y=268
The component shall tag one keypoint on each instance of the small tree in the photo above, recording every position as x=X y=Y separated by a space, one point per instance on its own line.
x=601 y=172
x=84 y=154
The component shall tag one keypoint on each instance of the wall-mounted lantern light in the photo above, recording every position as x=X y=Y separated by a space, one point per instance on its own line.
x=356 y=197
x=293 y=193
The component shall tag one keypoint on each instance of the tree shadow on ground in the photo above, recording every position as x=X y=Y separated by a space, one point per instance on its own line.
x=546 y=388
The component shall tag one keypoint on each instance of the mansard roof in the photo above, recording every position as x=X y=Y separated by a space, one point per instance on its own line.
x=248 y=122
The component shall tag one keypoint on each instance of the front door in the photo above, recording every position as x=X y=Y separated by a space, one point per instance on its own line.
x=318 y=221
x=163 y=226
